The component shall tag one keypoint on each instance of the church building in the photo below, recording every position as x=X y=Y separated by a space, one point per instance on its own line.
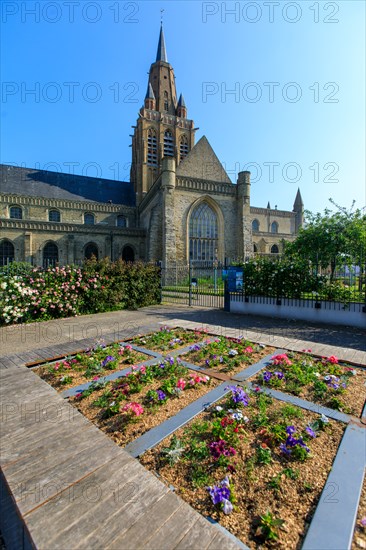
x=179 y=206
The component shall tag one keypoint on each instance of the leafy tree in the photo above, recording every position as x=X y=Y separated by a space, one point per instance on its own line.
x=332 y=239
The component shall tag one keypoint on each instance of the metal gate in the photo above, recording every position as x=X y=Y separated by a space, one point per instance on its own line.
x=194 y=284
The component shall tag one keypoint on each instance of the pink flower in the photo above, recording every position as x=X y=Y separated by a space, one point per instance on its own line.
x=133 y=407
x=95 y=378
x=181 y=384
x=332 y=359
x=249 y=349
x=128 y=347
x=142 y=370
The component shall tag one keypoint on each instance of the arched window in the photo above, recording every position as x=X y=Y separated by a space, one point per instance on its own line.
x=89 y=219
x=6 y=252
x=203 y=234
x=50 y=255
x=54 y=216
x=255 y=249
x=152 y=148
x=91 y=249
x=166 y=103
x=183 y=147
x=16 y=213
x=121 y=221
x=274 y=249
x=255 y=225
x=128 y=255
x=274 y=227
x=168 y=144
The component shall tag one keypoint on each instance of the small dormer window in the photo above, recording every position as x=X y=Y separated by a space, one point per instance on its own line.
x=16 y=213
x=89 y=219
x=121 y=221
x=54 y=216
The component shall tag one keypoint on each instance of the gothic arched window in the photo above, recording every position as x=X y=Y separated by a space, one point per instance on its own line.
x=274 y=227
x=152 y=148
x=168 y=144
x=6 y=252
x=274 y=249
x=255 y=225
x=50 y=255
x=91 y=249
x=203 y=234
x=16 y=213
x=183 y=147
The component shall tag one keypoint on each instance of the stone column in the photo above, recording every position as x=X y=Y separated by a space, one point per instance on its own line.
x=28 y=252
x=168 y=186
x=70 y=249
x=245 y=241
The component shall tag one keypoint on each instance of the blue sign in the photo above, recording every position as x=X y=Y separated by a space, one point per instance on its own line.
x=235 y=279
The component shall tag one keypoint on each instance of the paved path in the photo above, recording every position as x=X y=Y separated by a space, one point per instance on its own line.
x=31 y=337
x=73 y=486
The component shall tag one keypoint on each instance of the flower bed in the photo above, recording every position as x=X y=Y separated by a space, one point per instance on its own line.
x=99 y=361
x=167 y=339
x=323 y=381
x=254 y=464
x=229 y=355
x=142 y=399
x=359 y=537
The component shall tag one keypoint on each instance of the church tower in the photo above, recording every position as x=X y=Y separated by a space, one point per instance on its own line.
x=162 y=129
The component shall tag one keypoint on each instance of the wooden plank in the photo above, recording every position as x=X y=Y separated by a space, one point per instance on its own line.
x=118 y=492
x=201 y=534
x=173 y=530
x=144 y=528
x=45 y=483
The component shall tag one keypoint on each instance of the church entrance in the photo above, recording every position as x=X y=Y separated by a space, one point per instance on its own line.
x=128 y=254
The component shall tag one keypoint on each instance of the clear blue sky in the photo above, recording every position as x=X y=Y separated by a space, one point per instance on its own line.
x=88 y=62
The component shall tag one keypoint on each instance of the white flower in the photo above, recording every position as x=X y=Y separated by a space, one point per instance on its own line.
x=228 y=507
x=233 y=352
x=3 y=285
x=316 y=374
x=218 y=408
x=237 y=415
x=324 y=419
x=112 y=404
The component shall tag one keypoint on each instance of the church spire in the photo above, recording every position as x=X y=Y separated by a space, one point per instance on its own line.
x=161 y=53
x=298 y=204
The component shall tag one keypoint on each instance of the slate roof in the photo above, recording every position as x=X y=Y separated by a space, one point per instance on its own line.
x=58 y=185
x=161 y=53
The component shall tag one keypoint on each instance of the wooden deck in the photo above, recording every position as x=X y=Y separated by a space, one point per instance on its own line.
x=72 y=487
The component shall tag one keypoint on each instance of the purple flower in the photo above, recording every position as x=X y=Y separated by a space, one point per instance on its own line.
x=107 y=360
x=310 y=431
x=171 y=360
x=279 y=374
x=267 y=376
x=238 y=395
x=290 y=430
x=161 y=395
x=285 y=449
x=363 y=521
x=207 y=362
x=221 y=359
